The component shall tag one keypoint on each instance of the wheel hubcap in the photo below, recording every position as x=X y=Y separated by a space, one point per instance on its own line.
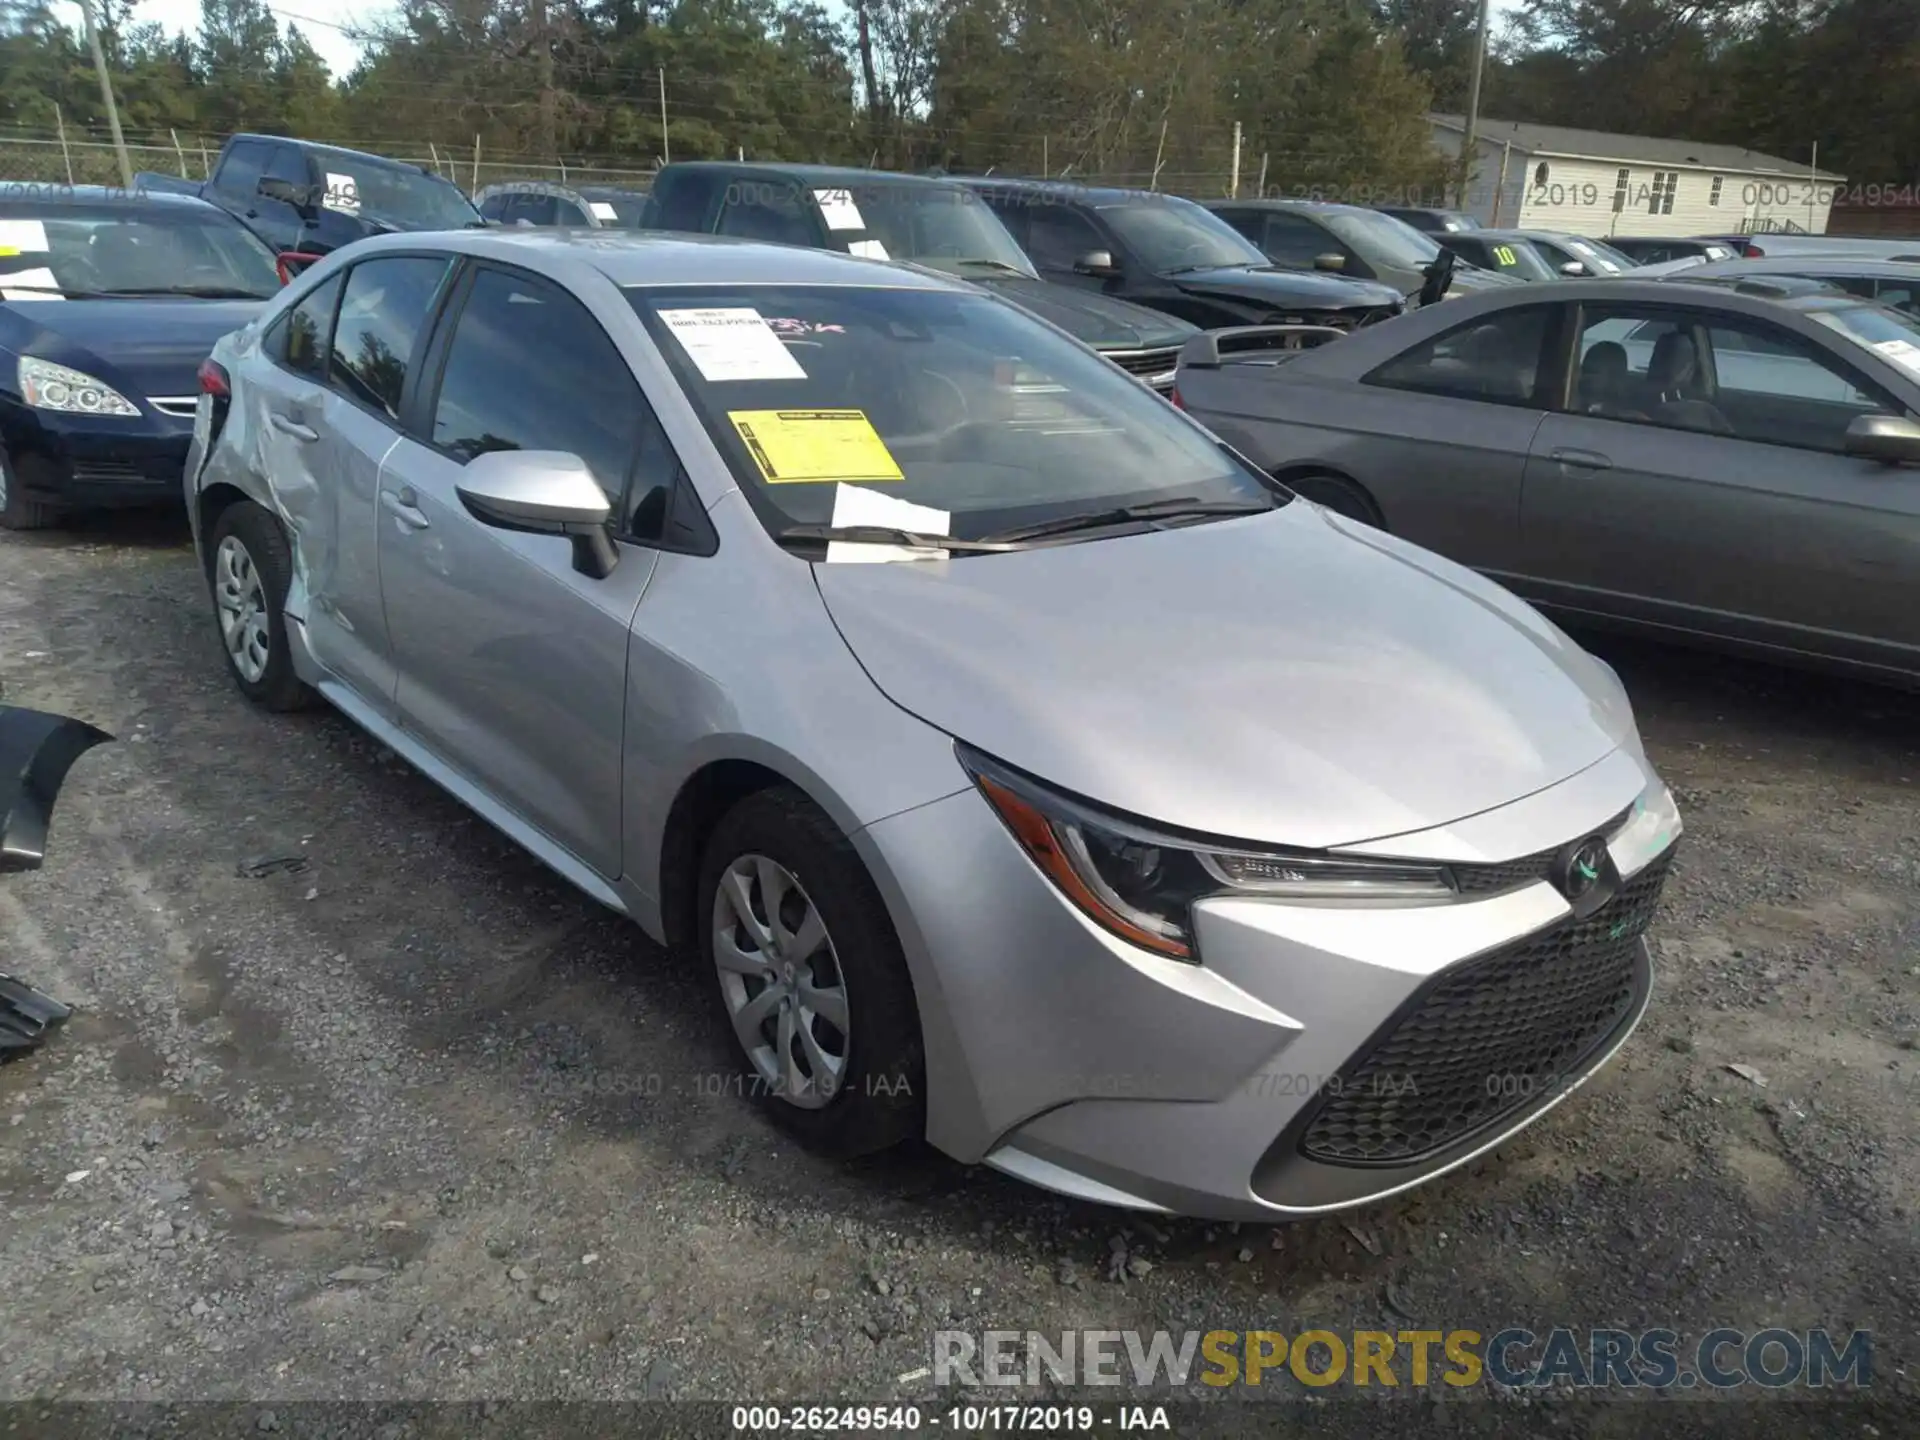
x=243 y=609
x=780 y=977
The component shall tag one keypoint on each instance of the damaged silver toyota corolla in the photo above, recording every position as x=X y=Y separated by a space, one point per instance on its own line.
x=1025 y=770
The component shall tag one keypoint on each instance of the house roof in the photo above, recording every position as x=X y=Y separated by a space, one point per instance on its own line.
x=1563 y=141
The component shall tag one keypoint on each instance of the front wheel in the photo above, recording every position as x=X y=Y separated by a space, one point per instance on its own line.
x=250 y=570
x=17 y=511
x=1340 y=495
x=813 y=988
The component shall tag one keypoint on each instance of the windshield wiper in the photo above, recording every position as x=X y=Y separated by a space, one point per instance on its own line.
x=997 y=265
x=192 y=292
x=887 y=535
x=1180 y=507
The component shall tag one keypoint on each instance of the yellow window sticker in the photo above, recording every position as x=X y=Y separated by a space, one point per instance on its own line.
x=791 y=446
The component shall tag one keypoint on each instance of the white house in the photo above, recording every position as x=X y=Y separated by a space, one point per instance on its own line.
x=1548 y=177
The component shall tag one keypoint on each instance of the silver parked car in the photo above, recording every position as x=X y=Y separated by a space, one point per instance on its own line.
x=1024 y=770
x=1689 y=460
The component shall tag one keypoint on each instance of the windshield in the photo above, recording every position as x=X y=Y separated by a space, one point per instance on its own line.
x=1382 y=238
x=945 y=227
x=957 y=402
x=1893 y=335
x=149 y=249
x=1517 y=257
x=1601 y=258
x=616 y=209
x=405 y=199
x=1170 y=235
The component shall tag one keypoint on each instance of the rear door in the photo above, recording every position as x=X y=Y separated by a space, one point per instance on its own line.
x=512 y=664
x=1724 y=503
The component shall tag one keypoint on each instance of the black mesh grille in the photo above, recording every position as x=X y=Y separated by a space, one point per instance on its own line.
x=1489 y=1037
x=1491 y=879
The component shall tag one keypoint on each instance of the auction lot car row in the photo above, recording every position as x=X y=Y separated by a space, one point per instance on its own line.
x=830 y=542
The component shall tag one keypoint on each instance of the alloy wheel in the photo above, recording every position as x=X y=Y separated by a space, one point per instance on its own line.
x=243 y=609
x=781 y=981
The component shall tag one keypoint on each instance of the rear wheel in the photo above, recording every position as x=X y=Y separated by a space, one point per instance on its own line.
x=813 y=988
x=1340 y=495
x=250 y=570
x=17 y=511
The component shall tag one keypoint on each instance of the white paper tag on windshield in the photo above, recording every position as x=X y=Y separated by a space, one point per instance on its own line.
x=30 y=285
x=857 y=505
x=343 y=194
x=22 y=237
x=1903 y=353
x=601 y=210
x=838 y=209
x=868 y=249
x=732 y=344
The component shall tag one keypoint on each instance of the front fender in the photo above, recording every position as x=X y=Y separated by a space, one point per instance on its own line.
x=36 y=751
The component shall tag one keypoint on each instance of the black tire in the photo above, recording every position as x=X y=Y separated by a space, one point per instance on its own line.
x=1340 y=495
x=881 y=1097
x=17 y=511
x=265 y=544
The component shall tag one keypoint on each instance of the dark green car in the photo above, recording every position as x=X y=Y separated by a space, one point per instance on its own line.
x=917 y=219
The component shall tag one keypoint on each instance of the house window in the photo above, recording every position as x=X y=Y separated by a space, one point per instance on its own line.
x=1660 y=195
x=1620 y=183
x=1714 y=197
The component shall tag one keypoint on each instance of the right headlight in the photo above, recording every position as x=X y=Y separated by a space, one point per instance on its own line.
x=1140 y=882
x=47 y=386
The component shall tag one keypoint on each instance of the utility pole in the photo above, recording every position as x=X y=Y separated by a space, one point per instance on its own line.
x=1233 y=185
x=106 y=95
x=543 y=57
x=1469 y=141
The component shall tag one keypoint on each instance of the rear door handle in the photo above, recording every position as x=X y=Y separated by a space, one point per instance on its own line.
x=1583 y=459
x=399 y=504
x=293 y=428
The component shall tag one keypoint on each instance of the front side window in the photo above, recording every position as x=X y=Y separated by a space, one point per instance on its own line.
x=133 y=248
x=494 y=207
x=241 y=169
x=1058 y=238
x=1718 y=374
x=1171 y=235
x=953 y=401
x=1295 y=241
x=529 y=368
x=1496 y=360
x=382 y=312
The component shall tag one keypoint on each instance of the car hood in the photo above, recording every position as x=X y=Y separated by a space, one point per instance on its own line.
x=140 y=347
x=1271 y=285
x=1098 y=320
x=1288 y=678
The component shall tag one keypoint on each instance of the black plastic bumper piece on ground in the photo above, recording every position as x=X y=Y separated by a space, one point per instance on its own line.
x=36 y=751
x=25 y=1016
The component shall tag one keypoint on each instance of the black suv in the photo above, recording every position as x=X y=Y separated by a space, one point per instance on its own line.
x=1172 y=254
x=915 y=219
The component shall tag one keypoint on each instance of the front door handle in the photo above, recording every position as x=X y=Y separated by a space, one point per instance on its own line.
x=293 y=428
x=1582 y=459
x=399 y=504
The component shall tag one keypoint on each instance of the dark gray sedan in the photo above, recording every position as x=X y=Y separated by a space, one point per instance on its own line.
x=1683 y=459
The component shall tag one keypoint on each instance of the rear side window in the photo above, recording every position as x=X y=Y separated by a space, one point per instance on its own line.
x=382 y=312
x=494 y=207
x=1497 y=359
x=302 y=337
x=683 y=201
x=755 y=210
x=530 y=369
x=568 y=213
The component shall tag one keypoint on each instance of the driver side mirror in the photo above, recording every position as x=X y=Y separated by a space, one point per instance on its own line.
x=1890 y=439
x=1573 y=267
x=286 y=192
x=542 y=492
x=1096 y=262
x=1330 y=261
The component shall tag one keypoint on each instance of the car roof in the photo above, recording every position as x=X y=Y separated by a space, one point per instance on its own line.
x=1060 y=190
x=1316 y=207
x=1866 y=266
x=19 y=192
x=841 y=176
x=614 y=192
x=654 y=258
x=320 y=149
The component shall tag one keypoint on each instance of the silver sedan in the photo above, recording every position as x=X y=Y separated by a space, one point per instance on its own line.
x=1023 y=770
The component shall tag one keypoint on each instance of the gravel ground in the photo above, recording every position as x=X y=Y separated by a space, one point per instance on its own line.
x=409 y=1119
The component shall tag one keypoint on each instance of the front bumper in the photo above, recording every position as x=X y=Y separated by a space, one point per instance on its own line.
x=81 y=461
x=1261 y=1083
